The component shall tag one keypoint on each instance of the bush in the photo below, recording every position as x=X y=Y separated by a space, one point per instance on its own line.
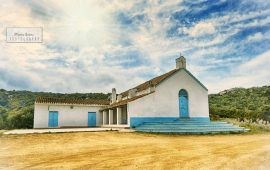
x=2 y=123
x=266 y=117
x=22 y=118
x=254 y=127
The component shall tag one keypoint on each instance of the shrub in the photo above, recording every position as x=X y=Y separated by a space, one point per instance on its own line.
x=22 y=118
x=266 y=117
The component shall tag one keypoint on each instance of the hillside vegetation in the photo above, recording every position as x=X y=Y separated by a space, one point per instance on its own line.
x=17 y=107
x=252 y=104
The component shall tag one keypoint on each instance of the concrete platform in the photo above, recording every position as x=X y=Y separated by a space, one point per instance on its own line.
x=115 y=126
x=64 y=130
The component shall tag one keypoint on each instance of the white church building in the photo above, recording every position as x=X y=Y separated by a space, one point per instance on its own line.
x=174 y=95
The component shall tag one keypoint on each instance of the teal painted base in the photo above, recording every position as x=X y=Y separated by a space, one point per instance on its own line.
x=207 y=119
x=137 y=121
x=196 y=125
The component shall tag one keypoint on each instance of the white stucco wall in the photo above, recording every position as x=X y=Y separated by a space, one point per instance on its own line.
x=164 y=101
x=67 y=117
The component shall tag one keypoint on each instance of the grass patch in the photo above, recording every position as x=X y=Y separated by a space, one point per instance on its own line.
x=254 y=127
x=2 y=131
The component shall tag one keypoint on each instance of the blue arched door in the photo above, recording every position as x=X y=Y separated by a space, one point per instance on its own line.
x=183 y=103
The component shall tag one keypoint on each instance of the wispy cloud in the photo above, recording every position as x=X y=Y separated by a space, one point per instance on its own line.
x=201 y=29
x=96 y=45
x=254 y=72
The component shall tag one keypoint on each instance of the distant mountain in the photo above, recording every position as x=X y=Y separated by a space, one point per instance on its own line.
x=17 y=107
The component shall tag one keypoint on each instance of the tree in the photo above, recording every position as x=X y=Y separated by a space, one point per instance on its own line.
x=3 y=115
x=266 y=116
x=22 y=118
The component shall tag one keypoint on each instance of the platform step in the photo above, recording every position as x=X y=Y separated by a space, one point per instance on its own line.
x=183 y=123
x=189 y=126
x=192 y=132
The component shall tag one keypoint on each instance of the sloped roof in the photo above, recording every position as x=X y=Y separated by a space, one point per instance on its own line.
x=152 y=82
x=155 y=81
x=71 y=101
x=123 y=102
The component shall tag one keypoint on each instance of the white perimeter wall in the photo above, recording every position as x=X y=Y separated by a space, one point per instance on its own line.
x=164 y=101
x=78 y=116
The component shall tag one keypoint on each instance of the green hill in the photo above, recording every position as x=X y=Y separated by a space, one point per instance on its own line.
x=17 y=107
x=252 y=104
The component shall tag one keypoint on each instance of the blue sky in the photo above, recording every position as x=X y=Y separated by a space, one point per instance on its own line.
x=93 y=46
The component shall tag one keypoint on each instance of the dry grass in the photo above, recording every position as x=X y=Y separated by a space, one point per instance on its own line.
x=2 y=131
x=255 y=128
x=113 y=150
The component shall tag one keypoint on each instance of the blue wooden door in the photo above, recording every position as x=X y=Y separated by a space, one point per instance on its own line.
x=91 y=119
x=53 y=119
x=183 y=103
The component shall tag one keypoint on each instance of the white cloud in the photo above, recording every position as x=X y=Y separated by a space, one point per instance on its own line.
x=202 y=28
x=239 y=20
x=256 y=37
x=83 y=44
x=259 y=37
x=254 y=72
x=261 y=62
x=87 y=26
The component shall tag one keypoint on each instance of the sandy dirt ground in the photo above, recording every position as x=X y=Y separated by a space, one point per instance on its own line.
x=114 y=150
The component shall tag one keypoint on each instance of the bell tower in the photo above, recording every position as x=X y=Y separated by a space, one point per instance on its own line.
x=180 y=62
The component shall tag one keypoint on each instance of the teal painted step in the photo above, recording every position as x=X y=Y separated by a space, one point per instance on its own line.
x=191 y=130
x=182 y=121
x=226 y=125
x=183 y=125
x=218 y=124
x=188 y=126
x=186 y=123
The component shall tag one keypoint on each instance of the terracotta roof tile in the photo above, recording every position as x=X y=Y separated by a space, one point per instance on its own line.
x=123 y=102
x=152 y=82
x=72 y=101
